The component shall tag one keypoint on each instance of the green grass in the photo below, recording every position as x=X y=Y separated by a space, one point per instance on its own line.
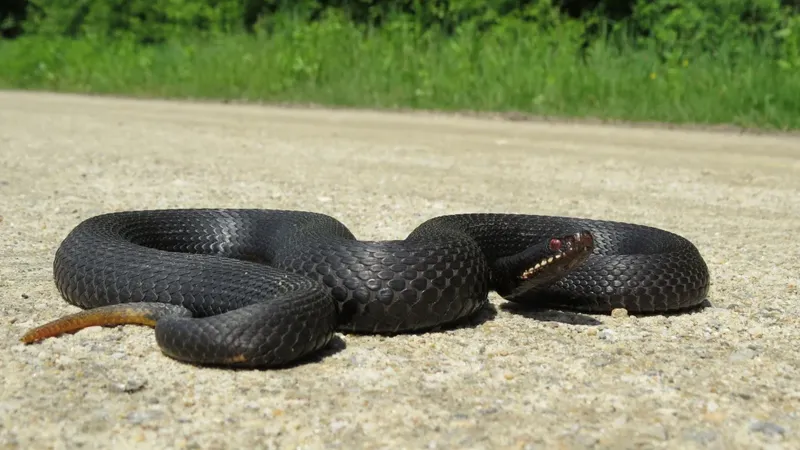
x=512 y=69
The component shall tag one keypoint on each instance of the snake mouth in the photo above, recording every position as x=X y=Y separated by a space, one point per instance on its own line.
x=541 y=264
x=564 y=254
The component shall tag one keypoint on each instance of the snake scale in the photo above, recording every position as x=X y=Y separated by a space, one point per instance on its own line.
x=263 y=288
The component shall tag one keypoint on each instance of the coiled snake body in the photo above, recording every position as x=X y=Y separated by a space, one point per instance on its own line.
x=254 y=287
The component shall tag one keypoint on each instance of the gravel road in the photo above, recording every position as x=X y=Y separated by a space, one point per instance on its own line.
x=727 y=376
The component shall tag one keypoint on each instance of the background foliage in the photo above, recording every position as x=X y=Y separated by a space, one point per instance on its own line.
x=143 y=17
x=678 y=28
x=674 y=60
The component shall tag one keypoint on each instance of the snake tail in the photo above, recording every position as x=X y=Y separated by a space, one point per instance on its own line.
x=146 y=314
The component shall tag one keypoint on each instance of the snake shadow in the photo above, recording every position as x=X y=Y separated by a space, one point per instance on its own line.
x=337 y=344
x=545 y=314
x=565 y=316
x=484 y=314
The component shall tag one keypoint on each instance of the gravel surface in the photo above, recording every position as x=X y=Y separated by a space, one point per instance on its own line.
x=727 y=376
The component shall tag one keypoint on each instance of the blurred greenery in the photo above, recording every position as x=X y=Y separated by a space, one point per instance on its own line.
x=716 y=61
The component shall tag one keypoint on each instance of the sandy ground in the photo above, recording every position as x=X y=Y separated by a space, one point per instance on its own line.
x=727 y=376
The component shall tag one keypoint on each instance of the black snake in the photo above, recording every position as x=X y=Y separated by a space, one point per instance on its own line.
x=249 y=287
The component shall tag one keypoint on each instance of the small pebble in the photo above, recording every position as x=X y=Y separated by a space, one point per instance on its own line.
x=701 y=436
x=715 y=417
x=89 y=331
x=96 y=423
x=656 y=431
x=608 y=335
x=138 y=417
x=63 y=360
x=619 y=313
x=602 y=361
x=743 y=354
x=129 y=386
x=337 y=425
x=768 y=428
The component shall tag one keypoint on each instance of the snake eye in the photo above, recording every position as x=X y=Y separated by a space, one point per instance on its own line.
x=555 y=244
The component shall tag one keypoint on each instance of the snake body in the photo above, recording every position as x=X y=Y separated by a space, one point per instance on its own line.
x=254 y=287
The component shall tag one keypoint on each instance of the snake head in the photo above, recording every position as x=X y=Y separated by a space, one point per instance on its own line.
x=542 y=263
x=561 y=256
